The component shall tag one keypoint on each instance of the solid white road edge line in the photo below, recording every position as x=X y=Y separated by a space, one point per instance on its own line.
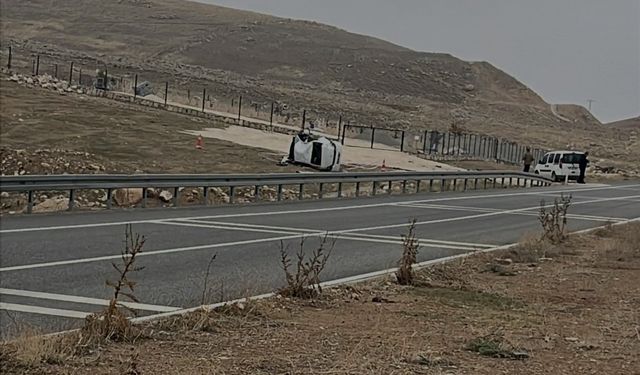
x=84 y=300
x=340 y=208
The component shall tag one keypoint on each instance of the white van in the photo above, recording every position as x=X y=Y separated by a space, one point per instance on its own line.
x=559 y=164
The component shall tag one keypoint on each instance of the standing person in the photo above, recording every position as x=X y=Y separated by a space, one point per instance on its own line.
x=527 y=159
x=583 y=167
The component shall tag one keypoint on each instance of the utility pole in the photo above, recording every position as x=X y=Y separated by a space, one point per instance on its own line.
x=589 y=102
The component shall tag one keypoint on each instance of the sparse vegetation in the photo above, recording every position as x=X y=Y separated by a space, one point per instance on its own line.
x=405 y=273
x=554 y=220
x=113 y=324
x=205 y=287
x=495 y=347
x=304 y=282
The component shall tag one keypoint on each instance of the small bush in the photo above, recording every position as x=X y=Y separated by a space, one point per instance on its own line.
x=490 y=346
x=31 y=348
x=405 y=274
x=304 y=282
x=554 y=220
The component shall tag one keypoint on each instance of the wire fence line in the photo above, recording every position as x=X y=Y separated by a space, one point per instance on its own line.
x=430 y=144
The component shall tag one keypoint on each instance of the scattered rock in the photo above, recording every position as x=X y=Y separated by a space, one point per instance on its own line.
x=165 y=196
x=504 y=261
x=127 y=197
x=4 y=194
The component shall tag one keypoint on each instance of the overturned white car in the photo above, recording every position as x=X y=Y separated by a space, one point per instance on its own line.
x=316 y=152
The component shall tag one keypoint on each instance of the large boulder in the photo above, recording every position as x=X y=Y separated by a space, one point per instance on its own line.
x=52 y=205
x=127 y=197
x=165 y=196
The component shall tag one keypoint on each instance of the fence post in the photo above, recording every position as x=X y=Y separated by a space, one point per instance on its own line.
x=339 y=126
x=344 y=131
x=204 y=97
x=37 y=64
x=239 y=108
x=271 y=116
x=424 y=143
x=9 y=61
x=135 y=85
x=373 y=133
x=304 y=117
x=80 y=77
x=402 y=142
x=166 y=92
x=71 y=73
x=106 y=79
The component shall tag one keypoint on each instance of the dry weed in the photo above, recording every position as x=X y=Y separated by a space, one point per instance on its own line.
x=554 y=220
x=31 y=348
x=530 y=249
x=405 y=274
x=113 y=324
x=305 y=282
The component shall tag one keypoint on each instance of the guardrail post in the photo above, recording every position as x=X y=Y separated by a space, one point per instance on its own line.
x=485 y=183
x=176 y=193
x=404 y=187
x=301 y=192
x=502 y=182
x=71 y=199
x=431 y=186
x=29 y=201
x=465 y=184
x=418 y=186
x=390 y=187
x=475 y=184
x=455 y=182
x=109 y=197
x=374 y=188
x=443 y=185
x=510 y=181
x=144 y=197
x=339 y=189
x=256 y=193
x=232 y=194
x=357 y=189
x=495 y=182
x=525 y=183
x=279 y=192
x=321 y=188
x=206 y=195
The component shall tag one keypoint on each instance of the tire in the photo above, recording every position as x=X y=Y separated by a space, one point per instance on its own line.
x=554 y=177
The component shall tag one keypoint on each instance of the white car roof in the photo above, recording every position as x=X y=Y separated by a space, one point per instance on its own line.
x=565 y=152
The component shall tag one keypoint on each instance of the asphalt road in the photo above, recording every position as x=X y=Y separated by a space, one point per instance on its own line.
x=53 y=267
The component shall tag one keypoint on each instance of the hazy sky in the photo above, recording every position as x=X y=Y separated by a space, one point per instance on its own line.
x=568 y=51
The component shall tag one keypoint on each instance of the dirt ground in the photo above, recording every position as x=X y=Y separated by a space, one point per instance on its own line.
x=567 y=309
x=115 y=136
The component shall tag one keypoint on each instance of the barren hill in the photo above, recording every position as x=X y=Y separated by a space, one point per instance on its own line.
x=307 y=65
x=630 y=123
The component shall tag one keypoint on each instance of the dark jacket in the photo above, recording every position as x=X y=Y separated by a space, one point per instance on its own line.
x=583 y=162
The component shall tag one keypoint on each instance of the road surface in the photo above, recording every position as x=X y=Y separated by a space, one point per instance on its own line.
x=53 y=267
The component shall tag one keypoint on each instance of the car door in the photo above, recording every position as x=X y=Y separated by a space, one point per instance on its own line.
x=545 y=168
x=555 y=167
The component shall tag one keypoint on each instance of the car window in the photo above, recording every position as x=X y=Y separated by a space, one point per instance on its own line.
x=573 y=158
x=550 y=160
x=544 y=159
x=556 y=159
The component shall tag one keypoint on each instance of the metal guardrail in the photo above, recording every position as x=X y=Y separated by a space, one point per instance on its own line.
x=468 y=180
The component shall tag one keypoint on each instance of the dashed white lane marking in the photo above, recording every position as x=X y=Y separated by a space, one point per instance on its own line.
x=43 y=310
x=314 y=210
x=83 y=300
x=294 y=236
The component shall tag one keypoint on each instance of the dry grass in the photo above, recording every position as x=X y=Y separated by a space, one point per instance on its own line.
x=304 y=282
x=554 y=220
x=113 y=324
x=405 y=273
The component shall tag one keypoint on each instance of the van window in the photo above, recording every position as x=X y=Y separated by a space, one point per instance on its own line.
x=550 y=160
x=556 y=159
x=573 y=158
x=544 y=159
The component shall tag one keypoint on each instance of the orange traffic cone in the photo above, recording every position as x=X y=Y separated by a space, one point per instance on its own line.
x=199 y=143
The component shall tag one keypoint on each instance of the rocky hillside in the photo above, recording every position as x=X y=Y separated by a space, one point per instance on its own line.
x=308 y=65
x=630 y=123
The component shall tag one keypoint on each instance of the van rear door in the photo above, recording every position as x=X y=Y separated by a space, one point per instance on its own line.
x=571 y=163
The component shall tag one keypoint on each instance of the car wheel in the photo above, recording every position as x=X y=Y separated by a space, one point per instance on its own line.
x=554 y=177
